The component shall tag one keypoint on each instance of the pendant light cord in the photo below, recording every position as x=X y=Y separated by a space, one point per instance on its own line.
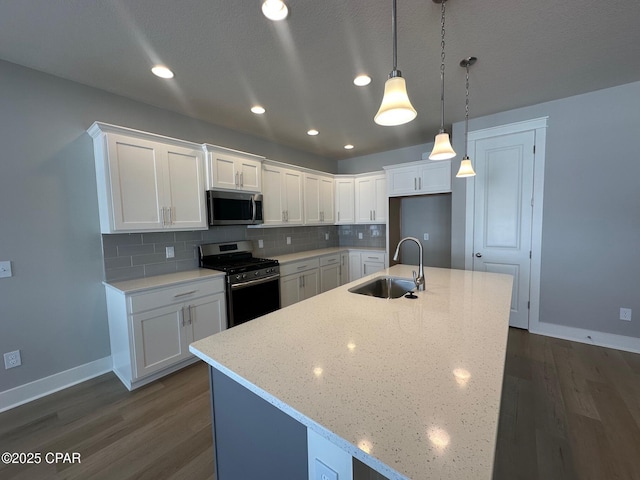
x=395 y=39
x=441 y=69
x=466 y=115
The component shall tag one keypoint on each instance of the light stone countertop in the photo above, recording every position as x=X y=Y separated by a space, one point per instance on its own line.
x=158 y=281
x=410 y=387
x=293 y=257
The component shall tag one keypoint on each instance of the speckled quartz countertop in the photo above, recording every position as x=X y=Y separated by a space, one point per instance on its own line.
x=157 y=281
x=292 y=257
x=409 y=387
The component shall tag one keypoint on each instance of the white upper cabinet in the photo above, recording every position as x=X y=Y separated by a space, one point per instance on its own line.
x=371 y=198
x=233 y=170
x=147 y=182
x=318 y=199
x=345 y=200
x=419 y=178
x=282 y=195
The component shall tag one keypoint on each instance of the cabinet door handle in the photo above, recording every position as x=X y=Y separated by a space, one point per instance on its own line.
x=237 y=182
x=286 y=215
x=170 y=215
x=338 y=216
x=183 y=315
x=415 y=183
x=283 y=215
x=374 y=215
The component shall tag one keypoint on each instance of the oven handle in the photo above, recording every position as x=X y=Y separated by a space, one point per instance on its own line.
x=250 y=283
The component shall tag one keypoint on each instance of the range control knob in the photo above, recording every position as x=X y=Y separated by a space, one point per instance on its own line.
x=256 y=274
x=244 y=275
x=238 y=277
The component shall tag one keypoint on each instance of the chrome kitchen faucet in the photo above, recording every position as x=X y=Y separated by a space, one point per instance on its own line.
x=418 y=279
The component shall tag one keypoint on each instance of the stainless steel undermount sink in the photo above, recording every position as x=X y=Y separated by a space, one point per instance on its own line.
x=385 y=287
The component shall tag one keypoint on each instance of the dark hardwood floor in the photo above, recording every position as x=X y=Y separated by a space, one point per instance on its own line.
x=569 y=411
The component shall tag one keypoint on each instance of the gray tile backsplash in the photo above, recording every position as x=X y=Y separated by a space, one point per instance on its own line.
x=136 y=255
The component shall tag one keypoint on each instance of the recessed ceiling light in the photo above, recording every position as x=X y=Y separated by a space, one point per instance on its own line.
x=275 y=10
x=162 y=71
x=348 y=147
x=313 y=132
x=362 y=80
x=258 y=110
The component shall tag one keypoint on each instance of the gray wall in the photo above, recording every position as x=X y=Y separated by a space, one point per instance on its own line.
x=53 y=308
x=590 y=264
x=375 y=161
x=426 y=214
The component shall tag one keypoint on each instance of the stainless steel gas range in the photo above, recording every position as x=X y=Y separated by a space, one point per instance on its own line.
x=252 y=284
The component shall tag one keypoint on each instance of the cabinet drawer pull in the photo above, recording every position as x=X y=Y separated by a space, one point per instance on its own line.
x=184 y=294
x=302 y=266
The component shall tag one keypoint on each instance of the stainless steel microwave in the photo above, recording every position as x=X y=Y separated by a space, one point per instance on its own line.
x=234 y=208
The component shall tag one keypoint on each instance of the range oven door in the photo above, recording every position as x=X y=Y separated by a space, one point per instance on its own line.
x=252 y=299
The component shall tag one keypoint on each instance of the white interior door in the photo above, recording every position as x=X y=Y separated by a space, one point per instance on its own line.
x=503 y=213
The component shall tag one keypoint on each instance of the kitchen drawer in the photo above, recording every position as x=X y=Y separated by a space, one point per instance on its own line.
x=372 y=256
x=330 y=260
x=176 y=294
x=299 y=266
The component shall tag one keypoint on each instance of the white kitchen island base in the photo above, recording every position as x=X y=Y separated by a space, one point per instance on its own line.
x=410 y=388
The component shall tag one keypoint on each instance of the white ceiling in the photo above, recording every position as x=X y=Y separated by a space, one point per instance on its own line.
x=227 y=56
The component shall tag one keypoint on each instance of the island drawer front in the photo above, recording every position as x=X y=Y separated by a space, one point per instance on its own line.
x=299 y=266
x=175 y=294
x=372 y=256
x=330 y=260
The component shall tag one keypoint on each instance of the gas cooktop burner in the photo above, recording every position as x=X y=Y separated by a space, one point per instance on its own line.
x=233 y=258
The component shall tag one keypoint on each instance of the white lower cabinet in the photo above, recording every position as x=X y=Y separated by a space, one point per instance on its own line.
x=150 y=331
x=330 y=273
x=299 y=281
x=365 y=263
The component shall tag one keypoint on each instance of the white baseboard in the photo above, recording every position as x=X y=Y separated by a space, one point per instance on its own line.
x=45 y=386
x=600 y=339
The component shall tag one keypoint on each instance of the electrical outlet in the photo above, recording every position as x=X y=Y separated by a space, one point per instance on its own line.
x=12 y=359
x=288 y=240
x=171 y=252
x=5 y=269
x=326 y=236
x=625 y=314
x=260 y=243
x=324 y=473
x=360 y=235
x=426 y=236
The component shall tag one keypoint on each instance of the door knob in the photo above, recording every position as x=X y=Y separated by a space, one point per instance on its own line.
x=478 y=255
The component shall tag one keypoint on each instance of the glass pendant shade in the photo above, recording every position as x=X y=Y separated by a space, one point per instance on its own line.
x=275 y=10
x=396 y=108
x=442 y=149
x=466 y=169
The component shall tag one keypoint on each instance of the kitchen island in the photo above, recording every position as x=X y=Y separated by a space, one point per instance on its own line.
x=409 y=387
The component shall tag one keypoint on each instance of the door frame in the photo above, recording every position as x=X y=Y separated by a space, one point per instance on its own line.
x=539 y=126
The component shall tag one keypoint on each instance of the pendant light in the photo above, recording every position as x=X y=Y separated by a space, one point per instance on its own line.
x=395 y=109
x=466 y=169
x=442 y=149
